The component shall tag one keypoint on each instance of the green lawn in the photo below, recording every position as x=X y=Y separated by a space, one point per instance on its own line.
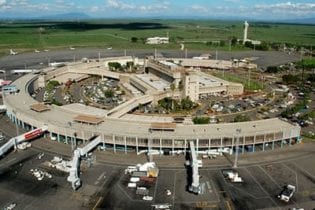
x=252 y=85
x=118 y=33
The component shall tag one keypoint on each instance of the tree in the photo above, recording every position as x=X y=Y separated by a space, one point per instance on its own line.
x=166 y=103
x=241 y=118
x=51 y=85
x=222 y=43
x=186 y=103
x=134 y=39
x=114 y=66
x=201 y=120
x=272 y=69
x=264 y=46
x=249 y=44
x=130 y=64
x=233 y=41
x=109 y=93
x=290 y=79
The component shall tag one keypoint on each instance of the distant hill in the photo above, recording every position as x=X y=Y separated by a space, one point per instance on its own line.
x=301 y=21
x=66 y=16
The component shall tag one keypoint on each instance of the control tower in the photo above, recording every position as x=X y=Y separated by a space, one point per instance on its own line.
x=246 y=25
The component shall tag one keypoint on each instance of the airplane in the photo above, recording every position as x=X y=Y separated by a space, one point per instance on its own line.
x=37 y=51
x=57 y=64
x=12 y=52
x=72 y=48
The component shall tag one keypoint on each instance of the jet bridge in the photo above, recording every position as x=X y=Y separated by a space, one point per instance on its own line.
x=75 y=162
x=194 y=163
x=13 y=142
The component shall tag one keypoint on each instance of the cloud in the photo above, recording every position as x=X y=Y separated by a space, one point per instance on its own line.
x=26 y=6
x=119 y=5
x=155 y=7
x=233 y=1
x=198 y=8
x=95 y=9
x=2 y=2
x=287 y=8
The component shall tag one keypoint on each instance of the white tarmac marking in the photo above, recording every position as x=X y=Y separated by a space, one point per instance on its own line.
x=302 y=169
x=296 y=176
x=102 y=176
x=123 y=189
x=156 y=186
x=174 y=189
x=267 y=194
x=270 y=177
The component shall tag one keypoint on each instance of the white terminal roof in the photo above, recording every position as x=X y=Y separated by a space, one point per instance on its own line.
x=132 y=89
x=154 y=81
x=167 y=63
x=207 y=80
x=216 y=64
x=83 y=109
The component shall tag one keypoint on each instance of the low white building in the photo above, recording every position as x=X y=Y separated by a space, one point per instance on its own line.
x=157 y=40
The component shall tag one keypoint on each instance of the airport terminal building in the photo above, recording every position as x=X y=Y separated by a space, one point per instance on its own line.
x=135 y=133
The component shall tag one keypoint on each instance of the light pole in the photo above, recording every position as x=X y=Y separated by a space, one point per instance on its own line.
x=16 y=128
x=149 y=146
x=75 y=139
x=238 y=131
x=72 y=145
x=16 y=123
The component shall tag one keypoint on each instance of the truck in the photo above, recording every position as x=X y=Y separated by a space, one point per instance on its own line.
x=134 y=179
x=287 y=193
x=142 y=191
x=232 y=175
x=139 y=174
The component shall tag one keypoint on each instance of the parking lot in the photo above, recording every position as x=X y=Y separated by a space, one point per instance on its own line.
x=262 y=183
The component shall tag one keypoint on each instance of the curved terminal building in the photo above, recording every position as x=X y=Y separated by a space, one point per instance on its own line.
x=122 y=131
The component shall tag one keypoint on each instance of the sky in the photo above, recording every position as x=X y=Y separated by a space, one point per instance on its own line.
x=253 y=9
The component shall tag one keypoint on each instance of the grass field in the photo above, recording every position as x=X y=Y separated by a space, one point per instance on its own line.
x=118 y=33
x=250 y=86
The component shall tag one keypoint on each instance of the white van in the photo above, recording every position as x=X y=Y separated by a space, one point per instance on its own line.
x=132 y=185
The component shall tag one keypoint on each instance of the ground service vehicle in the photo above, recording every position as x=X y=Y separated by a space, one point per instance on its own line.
x=287 y=193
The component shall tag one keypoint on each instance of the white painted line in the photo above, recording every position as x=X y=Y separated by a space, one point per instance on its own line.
x=270 y=177
x=263 y=189
x=156 y=186
x=215 y=191
x=123 y=189
x=302 y=169
x=101 y=176
x=174 y=189
x=296 y=176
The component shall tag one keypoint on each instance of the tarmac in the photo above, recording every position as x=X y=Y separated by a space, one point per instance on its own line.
x=105 y=184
